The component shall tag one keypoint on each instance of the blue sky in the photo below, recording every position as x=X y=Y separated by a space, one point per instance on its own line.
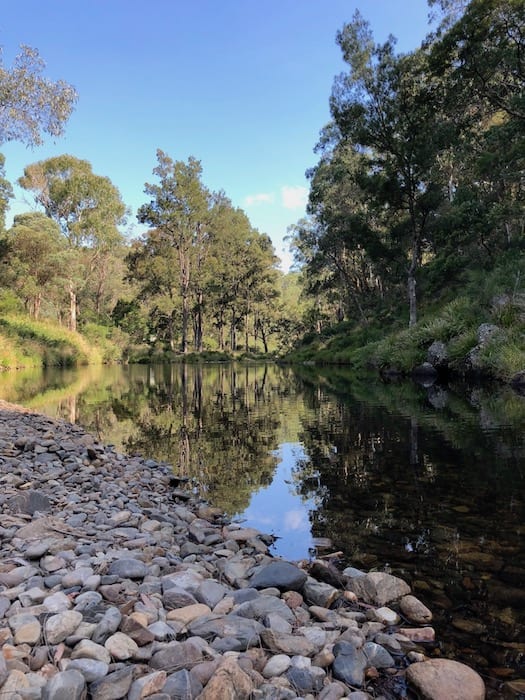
x=242 y=85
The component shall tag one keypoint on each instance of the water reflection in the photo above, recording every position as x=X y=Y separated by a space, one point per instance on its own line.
x=429 y=482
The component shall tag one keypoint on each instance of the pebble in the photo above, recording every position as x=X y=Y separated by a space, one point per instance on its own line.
x=118 y=582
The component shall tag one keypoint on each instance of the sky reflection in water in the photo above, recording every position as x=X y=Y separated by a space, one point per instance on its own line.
x=279 y=510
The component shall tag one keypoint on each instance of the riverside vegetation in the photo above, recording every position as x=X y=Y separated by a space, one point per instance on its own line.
x=418 y=195
x=415 y=217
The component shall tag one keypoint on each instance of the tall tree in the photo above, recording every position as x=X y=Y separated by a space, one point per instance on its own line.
x=383 y=105
x=87 y=207
x=153 y=264
x=31 y=104
x=6 y=192
x=37 y=259
x=179 y=211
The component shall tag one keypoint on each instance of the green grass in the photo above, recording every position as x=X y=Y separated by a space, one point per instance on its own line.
x=28 y=343
x=455 y=324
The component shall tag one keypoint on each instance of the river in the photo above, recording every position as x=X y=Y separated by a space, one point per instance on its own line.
x=425 y=482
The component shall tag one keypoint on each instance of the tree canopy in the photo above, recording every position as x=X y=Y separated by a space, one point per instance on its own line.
x=32 y=105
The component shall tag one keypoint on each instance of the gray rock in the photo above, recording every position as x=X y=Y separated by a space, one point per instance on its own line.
x=3 y=670
x=65 y=685
x=486 y=331
x=377 y=655
x=210 y=592
x=278 y=624
x=181 y=685
x=113 y=687
x=378 y=588
x=437 y=354
x=264 y=605
x=305 y=680
x=91 y=669
x=246 y=631
x=175 y=597
x=280 y=574
x=35 y=550
x=289 y=644
x=349 y=664
x=5 y=604
x=128 y=568
x=244 y=594
x=276 y=665
x=60 y=626
x=319 y=593
x=108 y=625
x=176 y=656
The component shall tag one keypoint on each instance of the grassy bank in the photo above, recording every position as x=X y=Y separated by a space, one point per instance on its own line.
x=28 y=343
x=456 y=325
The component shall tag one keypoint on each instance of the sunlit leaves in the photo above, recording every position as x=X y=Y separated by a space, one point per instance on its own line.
x=30 y=104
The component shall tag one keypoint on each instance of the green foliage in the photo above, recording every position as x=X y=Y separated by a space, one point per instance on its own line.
x=10 y=302
x=420 y=180
x=31 y=103
x=110 y=341
x=504 y=355
x=40 y=343
x=6 y=192
x=88 y=209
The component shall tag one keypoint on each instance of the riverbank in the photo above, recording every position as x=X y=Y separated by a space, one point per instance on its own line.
x=117 y=581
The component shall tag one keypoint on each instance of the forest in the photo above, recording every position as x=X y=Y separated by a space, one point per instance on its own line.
x=414 y=232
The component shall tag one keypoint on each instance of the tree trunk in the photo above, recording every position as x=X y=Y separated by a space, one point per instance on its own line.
x=185 y=319
x=263 y=336
x=221 y=330
x=198 y=324
x=233 y=335
x=72 y=307
x=37 y=303
x=184 y=261
x=246 y=334
x=412 y=298
x=171 y=333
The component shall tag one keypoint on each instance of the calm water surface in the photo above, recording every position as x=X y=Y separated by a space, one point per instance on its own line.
x=428 y=483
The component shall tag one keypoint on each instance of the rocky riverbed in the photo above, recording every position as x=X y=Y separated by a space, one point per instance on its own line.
x=116 y=581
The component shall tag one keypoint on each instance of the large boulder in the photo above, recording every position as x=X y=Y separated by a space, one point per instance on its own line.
x=437 y=354
x=378 y=588
x=279 y=574
x=443 y=679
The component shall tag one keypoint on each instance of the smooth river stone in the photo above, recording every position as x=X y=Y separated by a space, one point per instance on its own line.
x=280 y=574
x=120 y=646
x=128 y=568
x=62 y=625
x=444 y=678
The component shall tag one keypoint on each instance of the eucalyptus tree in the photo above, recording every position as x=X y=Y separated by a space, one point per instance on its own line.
x=179 y=210
x=6 y=192
x=87 y=207
x=152 y=264
x=30 y=104
x=37 y=259
x=479 y=58
x=383 y=106
x=343 y=243
x=243 y=278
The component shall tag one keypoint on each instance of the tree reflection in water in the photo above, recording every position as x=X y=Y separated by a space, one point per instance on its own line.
x=429 y=483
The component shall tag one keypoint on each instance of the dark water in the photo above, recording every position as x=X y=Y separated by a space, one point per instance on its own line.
x=428 y=483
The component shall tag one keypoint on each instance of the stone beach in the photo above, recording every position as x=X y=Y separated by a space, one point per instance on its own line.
x=119 y=581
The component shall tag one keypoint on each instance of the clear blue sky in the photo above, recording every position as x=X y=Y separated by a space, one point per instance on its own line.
x=242 y=85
